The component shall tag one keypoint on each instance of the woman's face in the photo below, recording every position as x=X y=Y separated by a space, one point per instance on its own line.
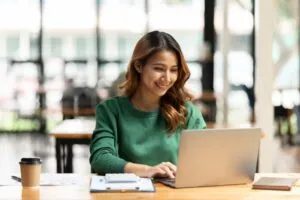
x=159 y=74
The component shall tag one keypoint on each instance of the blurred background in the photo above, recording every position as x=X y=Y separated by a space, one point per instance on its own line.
x=59 y=58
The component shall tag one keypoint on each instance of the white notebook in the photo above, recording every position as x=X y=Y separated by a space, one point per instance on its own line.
x=100 y=184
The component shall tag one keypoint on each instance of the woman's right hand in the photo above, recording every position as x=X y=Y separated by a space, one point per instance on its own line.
x=164 y=169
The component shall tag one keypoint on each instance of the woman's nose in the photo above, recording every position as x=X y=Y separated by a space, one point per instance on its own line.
x=167 y=77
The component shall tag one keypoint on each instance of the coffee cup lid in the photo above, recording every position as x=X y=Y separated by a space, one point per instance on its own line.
x=30 y=161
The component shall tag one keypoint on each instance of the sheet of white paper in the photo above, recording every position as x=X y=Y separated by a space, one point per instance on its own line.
x=7 y=180
x=48 y=179
x=61 y=179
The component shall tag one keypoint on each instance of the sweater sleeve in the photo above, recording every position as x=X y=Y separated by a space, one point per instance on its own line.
x=195 y=119
x=104 y=145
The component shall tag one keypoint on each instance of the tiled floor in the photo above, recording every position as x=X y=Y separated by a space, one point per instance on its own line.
x=15 y=146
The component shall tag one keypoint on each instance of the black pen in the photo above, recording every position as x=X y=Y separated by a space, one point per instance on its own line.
x=16 y=178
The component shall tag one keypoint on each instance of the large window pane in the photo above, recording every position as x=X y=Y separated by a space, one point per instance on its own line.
x=240 y=61
x=286 y=53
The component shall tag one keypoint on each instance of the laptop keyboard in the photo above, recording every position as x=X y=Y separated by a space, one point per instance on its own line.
x=167 y=180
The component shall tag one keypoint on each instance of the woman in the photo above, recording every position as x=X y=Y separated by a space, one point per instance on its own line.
x=139 y=132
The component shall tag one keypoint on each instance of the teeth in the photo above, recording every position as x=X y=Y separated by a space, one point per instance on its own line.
x=162 y=87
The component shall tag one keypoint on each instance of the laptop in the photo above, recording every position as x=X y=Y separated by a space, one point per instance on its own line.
x=214 y=157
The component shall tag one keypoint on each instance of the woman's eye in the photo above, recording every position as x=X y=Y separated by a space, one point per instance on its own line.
x=158 y=69
x=174 y=70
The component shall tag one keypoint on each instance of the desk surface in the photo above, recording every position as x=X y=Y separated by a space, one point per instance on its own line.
x=162 y=192
x=74 y=129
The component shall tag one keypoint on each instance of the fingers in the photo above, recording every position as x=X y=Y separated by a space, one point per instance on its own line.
x=164 y=169
x=168 y=169
x=171 y=166
x=156 y=171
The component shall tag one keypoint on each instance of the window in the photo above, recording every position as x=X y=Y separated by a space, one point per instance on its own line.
x=12 y=46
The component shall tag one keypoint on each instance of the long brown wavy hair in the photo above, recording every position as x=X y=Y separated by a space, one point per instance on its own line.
x=172 y=104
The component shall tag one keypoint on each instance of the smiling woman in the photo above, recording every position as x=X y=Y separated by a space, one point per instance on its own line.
x=158 y=51
x=139 y=132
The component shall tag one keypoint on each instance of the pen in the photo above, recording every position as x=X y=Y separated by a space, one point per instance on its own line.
x=16 y=178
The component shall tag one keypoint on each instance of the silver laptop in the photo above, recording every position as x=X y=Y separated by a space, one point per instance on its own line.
x=214 y=157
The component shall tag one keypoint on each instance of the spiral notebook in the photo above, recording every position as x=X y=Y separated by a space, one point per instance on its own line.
x=100 y=184
x=275 y=183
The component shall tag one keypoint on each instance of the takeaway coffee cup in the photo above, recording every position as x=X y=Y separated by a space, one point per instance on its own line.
x=30 y=171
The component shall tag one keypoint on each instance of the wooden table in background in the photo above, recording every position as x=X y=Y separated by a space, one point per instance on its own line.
x=232 y=192
x=66 y=134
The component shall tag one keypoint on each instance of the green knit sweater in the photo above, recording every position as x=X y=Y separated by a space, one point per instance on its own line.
x=124 y=134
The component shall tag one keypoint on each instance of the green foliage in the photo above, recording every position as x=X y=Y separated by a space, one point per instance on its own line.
x=284 y=9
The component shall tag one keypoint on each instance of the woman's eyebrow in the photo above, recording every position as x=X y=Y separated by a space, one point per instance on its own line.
x=158 y=63
x=162 y=64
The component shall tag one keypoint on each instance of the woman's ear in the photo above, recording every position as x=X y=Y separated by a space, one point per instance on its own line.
x=138 y=66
